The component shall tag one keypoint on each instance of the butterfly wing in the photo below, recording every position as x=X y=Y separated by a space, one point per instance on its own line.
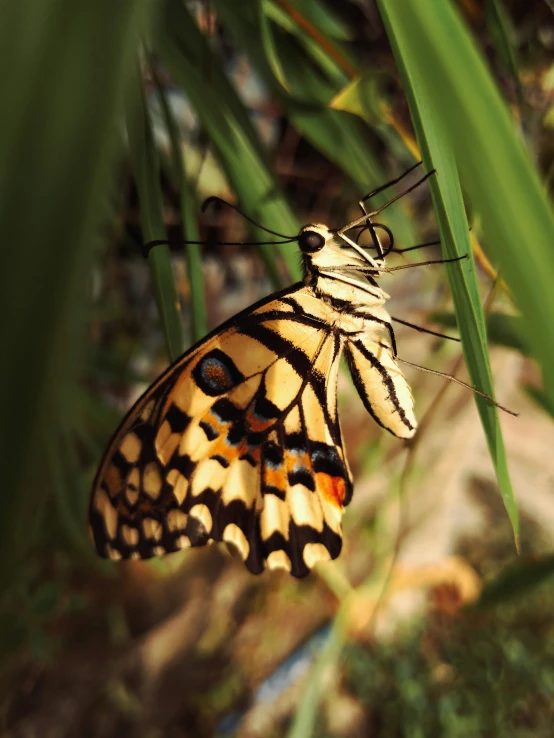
x=381 y=385
x=238 y=441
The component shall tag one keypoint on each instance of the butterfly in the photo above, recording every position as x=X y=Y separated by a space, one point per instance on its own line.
x=240 y=440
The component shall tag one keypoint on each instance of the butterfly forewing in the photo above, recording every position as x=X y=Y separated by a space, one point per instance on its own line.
x=238 y=441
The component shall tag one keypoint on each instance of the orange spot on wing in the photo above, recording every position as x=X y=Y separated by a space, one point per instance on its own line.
x=218 y=446
x=332 y=488
x=275 y=478
x=223 y=449
x=217 y=426
x=295 y=460
x=256 y=425
x=216 y=374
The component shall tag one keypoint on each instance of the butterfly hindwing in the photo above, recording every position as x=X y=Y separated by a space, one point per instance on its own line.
x=238 y=441
x=381 y=385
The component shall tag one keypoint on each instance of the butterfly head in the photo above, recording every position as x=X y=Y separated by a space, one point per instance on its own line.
x=326 y=249
x=313 y=238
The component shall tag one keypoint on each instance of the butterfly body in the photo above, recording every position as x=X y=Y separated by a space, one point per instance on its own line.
x=240 y=440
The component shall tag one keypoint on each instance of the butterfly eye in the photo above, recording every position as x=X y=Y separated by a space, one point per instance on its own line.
x=311 y=241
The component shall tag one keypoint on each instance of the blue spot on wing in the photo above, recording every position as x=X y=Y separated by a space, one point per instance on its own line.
x=216 y=373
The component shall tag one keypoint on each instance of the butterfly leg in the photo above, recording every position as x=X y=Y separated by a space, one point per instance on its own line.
x=376 y=264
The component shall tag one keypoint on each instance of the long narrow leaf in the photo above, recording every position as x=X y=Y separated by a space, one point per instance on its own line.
x=224 y=118
x=61 y=100
x=499 y=28
x=340 y=137
x=147 y=178
x=498 y=176
x=189 y=207
x=429 y=125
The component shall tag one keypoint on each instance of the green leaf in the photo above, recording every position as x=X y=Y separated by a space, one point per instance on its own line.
x=339 y=136
x=269 y=45
x=498 y=26
x=146 y=170
x=58 y=135
x=413 y=32
x=516 y=218
x=189 y=209
x=310 y=75
x=334 y=59
x=366 y=97
x=246 y=164
x=320 y=14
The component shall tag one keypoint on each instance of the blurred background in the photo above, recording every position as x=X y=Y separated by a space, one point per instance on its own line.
x=118 y=120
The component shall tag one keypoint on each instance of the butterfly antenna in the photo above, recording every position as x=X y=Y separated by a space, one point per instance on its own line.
x=404 y=192
x=387 y=185
x=147 y=248
x=458 y=381
x=424 y=263
x=390 y=248
x=382 y=253
x=425 y=330
x=210 y=200
x=419 y=246
x=363 y=219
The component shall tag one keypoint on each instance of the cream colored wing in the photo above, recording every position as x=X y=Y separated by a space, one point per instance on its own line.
x=381 y=385
x=238 y=441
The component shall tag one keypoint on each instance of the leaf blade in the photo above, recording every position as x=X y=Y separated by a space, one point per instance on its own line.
x=146 y=171
x=425 y=110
